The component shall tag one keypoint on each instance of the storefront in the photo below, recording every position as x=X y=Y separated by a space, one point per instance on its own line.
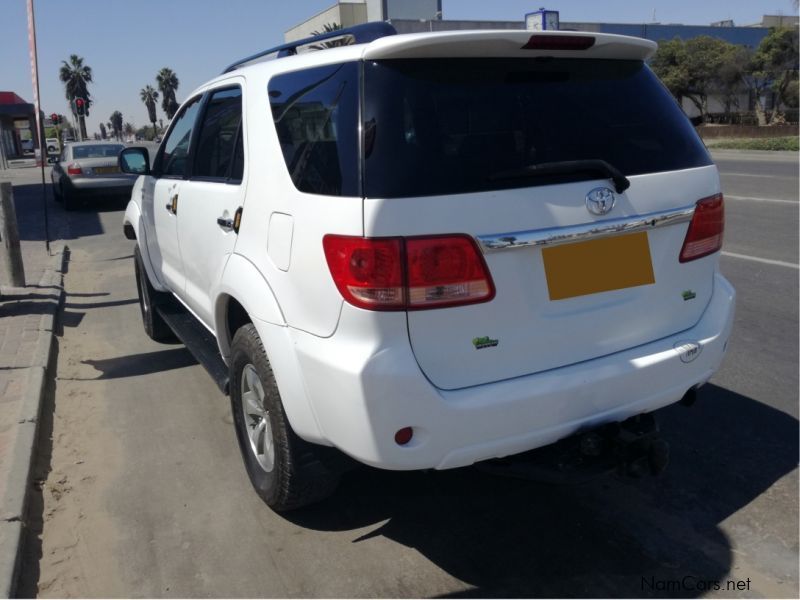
x=17 y=126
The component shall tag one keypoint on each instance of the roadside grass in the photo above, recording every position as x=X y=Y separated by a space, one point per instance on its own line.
x=776 y=143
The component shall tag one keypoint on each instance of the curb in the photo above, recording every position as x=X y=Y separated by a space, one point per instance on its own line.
x=23 y=449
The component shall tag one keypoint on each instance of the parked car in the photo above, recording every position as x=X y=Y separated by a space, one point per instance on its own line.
x=89 y=169
x=53 y=145
x=426 y=251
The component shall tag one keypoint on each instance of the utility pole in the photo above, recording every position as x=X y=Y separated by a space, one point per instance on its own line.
x=39 y=124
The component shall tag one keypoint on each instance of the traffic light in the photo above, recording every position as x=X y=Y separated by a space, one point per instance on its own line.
x=80 y=107
x=54 y=119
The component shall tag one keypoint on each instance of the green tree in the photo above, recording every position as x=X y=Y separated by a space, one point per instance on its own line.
x=168 y=84
x=150 y=96
x=774 y=67
x=129 y=130
x=698 y=67
x=671 y=65
x=103 y=134
x=115 y=120
x=730 y=79
x=76 y=76
x=706 y=55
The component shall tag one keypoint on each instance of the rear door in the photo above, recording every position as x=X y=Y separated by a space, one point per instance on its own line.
x=448 y=149
x=212 y=195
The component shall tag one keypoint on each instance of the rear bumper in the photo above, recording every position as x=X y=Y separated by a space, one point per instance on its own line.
x=98 y=186
x=363 y=385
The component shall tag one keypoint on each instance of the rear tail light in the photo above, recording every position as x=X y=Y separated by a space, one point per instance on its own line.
x=368 y=273
x=559 y=42
x=408 y=273
x=74 y=169
x=704 y=236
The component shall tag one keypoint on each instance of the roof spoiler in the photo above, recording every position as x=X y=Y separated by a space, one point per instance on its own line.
x=361 y=34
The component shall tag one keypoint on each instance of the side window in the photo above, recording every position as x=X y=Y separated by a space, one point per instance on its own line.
x=315 y=112
x=219 y=142
x=176 y=146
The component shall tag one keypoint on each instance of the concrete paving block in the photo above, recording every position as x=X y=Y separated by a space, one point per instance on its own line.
x=10 y=540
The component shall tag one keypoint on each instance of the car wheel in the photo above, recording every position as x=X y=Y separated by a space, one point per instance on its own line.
x=286 y=471
x=154 y=325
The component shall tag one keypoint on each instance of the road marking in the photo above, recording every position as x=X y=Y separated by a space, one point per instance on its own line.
x=731 y=173
x=766 y=261
x=754 y=199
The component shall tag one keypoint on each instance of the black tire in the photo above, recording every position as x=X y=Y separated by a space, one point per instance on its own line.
x=149 y=298
x=300 y=472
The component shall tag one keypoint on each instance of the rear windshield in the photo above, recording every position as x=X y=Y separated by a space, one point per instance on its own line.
x=448 y=126
x=97 y=151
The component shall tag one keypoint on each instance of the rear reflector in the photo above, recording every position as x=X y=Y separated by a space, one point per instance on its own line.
x=74 y=169
x=403 y=436
x=559 y=42
x=408 y=273
x=704 y=236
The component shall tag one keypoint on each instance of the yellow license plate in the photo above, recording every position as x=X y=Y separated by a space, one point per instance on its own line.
x=601 y=265
x=106 y=169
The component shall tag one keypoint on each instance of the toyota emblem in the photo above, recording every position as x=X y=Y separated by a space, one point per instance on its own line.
x=600 y=201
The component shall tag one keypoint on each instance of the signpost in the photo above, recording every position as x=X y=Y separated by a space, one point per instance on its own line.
x=39 y=124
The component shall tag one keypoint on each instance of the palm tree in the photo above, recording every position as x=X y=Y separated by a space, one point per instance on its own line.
x=116 y=123
x=129 y=130
x=150 y=96
x=75 y=76
x=334 y=43
x=168 y=84
x=103 y=133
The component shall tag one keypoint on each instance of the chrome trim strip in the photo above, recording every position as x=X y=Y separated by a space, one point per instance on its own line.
x=555 y=236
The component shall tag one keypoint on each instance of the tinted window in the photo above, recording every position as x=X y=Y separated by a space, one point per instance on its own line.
x=316 y=116
x=445 y=126
x=176 y=146
x=219 y=132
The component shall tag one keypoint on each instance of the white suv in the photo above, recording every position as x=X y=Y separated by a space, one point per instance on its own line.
x=425 y=251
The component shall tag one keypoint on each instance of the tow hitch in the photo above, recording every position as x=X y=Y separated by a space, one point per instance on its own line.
x=632 y=447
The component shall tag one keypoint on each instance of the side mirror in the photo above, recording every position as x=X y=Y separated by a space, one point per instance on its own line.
x=135 y=161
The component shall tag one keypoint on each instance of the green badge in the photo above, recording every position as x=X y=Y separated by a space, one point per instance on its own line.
x=484 y=342
x=688 y=295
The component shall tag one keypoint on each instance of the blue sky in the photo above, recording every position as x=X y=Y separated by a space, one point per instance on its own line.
x=126 y=42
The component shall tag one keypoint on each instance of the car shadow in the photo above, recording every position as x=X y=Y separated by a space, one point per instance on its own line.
x=142 y=364
x=84 y=221
x=611 y=537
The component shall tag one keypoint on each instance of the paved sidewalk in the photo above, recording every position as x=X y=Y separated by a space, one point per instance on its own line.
x=27 y=320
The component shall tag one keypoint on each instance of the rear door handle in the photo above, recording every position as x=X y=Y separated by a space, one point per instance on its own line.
x=226 y=224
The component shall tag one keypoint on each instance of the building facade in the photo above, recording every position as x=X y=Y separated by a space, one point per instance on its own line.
x=17 y=125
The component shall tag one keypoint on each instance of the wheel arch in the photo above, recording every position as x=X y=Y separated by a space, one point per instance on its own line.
x=244 y=296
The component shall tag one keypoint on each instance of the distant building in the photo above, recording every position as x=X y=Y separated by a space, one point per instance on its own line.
x=17 y=125
x=347 y=13
x=415 y=16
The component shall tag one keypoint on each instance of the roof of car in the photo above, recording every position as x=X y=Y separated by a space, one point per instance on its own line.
x=96 y=143
x=451 y=44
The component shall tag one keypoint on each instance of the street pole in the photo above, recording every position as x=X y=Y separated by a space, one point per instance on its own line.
x=39 y=124
x=10 y=250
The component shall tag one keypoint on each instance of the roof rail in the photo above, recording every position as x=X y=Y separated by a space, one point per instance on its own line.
x=361 y=34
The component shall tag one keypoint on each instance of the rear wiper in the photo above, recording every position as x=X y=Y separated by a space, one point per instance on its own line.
x=567 y=167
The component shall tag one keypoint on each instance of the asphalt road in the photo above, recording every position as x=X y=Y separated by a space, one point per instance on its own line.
x=143 y=492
